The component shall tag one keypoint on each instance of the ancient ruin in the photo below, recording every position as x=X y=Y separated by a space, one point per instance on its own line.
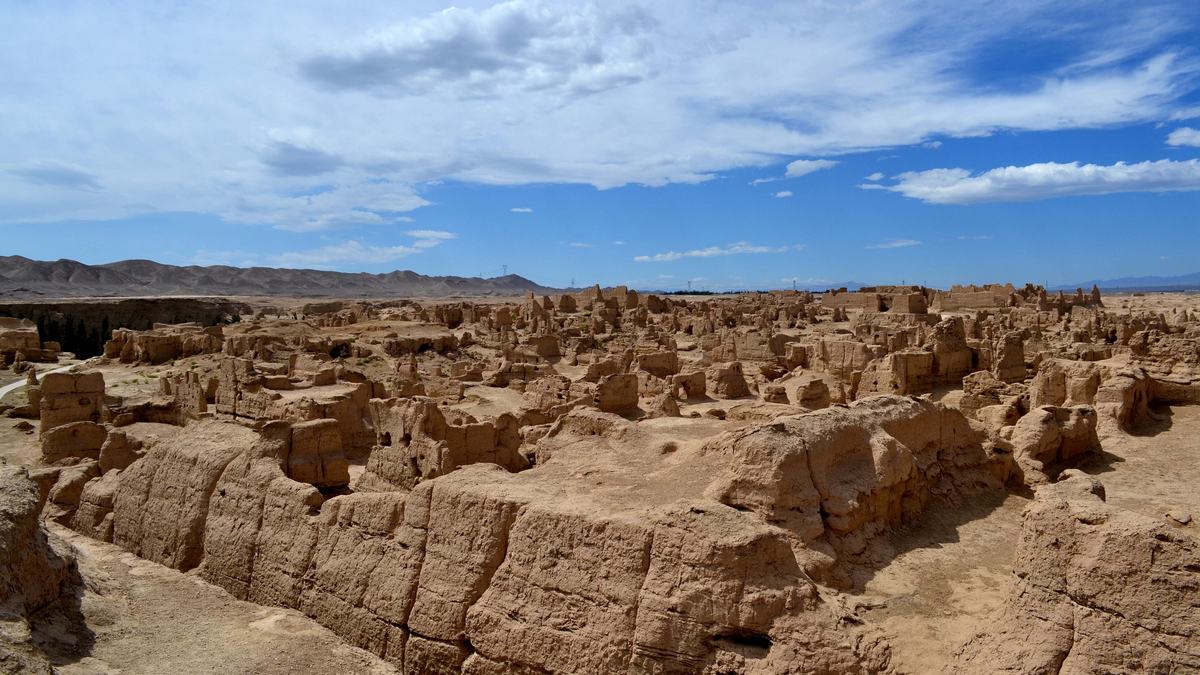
x=578 y=337
x=614 y=482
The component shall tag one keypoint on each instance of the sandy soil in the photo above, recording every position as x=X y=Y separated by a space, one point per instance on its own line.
x=950 y=572
x=1157 y=469
x=482 y=401
x=18 y=445
x=135 y=616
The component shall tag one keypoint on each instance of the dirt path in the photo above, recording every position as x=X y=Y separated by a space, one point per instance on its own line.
x=137 y=617
x=13 y=386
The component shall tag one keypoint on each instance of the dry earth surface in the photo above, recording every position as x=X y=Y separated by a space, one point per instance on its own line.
x=893 y=480
x=136 y=616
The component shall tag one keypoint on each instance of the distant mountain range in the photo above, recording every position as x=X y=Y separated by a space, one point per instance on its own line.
x=848 y=285
x=814 y=287
x=22 y=277
x=1183 y=282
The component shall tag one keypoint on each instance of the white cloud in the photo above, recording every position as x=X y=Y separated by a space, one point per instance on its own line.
x=783 y=194
x=618 y=243
x=349 y=252
x=521 y=209
x=803 y=167
x=1186 y=114
x=798 y=168
x=604 y=94
x=875 y=176
x=738 y=248
x=1047 y=180
x=581 y=244
x=368 y=203
x=431 y=234
x=235 y=258
x=974 y=237
x=353 y=253
x=932 y=145
x=510 y=46
x=895 y=243
x=1184 y=136
x=430 y=238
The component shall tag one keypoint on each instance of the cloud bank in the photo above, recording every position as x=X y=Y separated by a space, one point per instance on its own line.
x=356 y=254
x=738 y=248
x=511 y=46
x=55 y=174
x=340 y=115
x=1047 y=180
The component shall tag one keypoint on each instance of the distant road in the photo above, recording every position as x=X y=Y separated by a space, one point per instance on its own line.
x=4 y=391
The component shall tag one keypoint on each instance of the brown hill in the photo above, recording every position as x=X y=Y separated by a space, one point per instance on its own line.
x=22 y=277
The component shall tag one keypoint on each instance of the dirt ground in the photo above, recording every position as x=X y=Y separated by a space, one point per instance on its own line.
x=135 y=616
x=952 y=566
x=951 y=571
x=1157 y=469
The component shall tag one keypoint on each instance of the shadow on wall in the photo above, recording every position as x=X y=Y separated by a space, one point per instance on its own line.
x=1159 y=421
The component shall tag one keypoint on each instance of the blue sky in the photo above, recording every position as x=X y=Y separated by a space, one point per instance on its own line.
x=730 y=145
